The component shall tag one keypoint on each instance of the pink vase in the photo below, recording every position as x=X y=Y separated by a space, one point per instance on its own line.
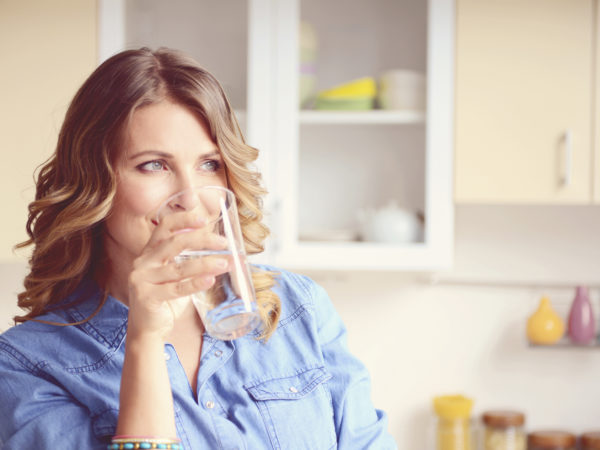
x=582 y=323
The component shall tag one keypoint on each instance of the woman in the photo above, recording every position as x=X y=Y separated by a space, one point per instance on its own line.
x=105 y=352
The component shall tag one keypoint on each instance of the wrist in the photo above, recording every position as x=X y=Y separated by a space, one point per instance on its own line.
x=143 y=342
x=148 y=326
x=138 y=331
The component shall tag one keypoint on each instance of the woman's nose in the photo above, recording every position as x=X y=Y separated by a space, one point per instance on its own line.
x=185 y=200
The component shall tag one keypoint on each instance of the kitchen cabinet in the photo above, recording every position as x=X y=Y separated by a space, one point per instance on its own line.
x=47 y=50
x=322 y=167
x=524 y=102
x=213 y=33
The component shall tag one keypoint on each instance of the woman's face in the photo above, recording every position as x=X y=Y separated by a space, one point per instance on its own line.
x=165 y=150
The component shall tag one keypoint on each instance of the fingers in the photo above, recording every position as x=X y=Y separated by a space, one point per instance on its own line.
x=158 y=274
x=166 y=250
x=178 y=279
x=209 y=266
x=182 y=288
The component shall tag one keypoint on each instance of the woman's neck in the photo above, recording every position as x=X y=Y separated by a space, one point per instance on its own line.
x=114 y=285
x=113 y=274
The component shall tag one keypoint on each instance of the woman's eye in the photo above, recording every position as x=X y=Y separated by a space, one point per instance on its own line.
x=212 y=165
x=152 y=166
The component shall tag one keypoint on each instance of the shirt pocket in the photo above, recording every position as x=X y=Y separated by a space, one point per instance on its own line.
x=296 y=410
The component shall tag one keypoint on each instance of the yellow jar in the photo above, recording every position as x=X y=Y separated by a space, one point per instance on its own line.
x=453 y=430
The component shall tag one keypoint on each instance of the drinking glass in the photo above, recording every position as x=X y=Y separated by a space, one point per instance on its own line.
x=228 y=309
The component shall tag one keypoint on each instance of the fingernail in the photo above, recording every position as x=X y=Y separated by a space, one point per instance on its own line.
x=209 y=280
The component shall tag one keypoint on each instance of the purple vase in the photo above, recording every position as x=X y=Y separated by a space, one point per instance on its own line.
x=582 y=324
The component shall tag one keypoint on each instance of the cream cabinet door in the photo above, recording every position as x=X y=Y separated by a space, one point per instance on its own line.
x=597 y=111
x=524 y=101
x=47 y=50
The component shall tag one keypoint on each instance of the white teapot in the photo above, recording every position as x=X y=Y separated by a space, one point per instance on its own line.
x=390 y=224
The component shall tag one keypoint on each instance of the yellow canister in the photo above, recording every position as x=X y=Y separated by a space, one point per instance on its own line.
x=453 y=430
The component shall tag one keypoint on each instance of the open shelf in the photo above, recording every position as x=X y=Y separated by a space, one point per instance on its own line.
x=565 y=342
x=373 y=117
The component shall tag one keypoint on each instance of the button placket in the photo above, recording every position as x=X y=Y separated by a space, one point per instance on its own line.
x=213 y=359
x=208 y=401
x=167 y=353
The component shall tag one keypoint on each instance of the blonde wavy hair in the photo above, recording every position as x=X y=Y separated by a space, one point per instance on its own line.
x=76 y=186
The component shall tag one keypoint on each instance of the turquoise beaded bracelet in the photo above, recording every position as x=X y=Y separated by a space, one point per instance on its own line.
x=135 y=443
x=140 y=445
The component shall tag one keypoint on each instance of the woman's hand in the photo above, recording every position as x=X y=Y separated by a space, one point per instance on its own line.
x=157 y=278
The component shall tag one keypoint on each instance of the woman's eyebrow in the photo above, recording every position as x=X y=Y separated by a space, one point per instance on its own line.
x=214 y=154
x=157 y=153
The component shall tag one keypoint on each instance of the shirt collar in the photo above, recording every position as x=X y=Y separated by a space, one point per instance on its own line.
x=109 y=325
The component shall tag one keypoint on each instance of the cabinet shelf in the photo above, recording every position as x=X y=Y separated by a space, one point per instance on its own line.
x=567 y=344
x=373 y=117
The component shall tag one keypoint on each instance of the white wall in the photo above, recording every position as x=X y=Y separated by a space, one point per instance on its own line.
x=11 y=283
x=421 y=339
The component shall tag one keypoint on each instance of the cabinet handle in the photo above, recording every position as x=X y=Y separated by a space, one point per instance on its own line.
x=568 y=156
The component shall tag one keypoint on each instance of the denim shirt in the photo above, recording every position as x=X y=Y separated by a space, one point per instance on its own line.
x=302 y=389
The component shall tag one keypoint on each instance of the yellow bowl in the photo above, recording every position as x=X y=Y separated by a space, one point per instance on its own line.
x=345 y=103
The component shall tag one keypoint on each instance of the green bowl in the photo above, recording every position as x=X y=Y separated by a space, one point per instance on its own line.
x=345 y=103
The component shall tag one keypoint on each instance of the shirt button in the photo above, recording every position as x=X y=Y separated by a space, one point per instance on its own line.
x=293 y=389
x=167 y=356
x=218 y=353
x=210 y=404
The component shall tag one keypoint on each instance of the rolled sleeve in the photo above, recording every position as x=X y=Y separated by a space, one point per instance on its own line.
x=358 y=424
